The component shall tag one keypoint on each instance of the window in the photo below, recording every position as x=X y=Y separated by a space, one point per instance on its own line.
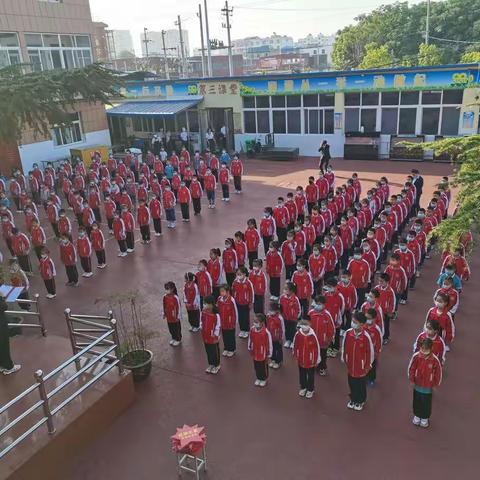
x=406 y=123
x=278 y=101
x=352 y=116
x=294 y=101
x=409 y=98
x=263 y=102
x=249 y=122
x=431 y=97
x=248 y=102
x=352 y=99
x=368 y=119
x=327 y=99
x=9 y=50
x=328 y=121
x=430 y=121
x=370 y=98
x=279 y=121
x=452 y=97
x=193 y=122
x=263 y=121
x=310 y=100
x=293 y=121
x=311 y=121
x=450 y=119
x=389 y=120
x=67 y=133
x=390 y=98
x=137 y=124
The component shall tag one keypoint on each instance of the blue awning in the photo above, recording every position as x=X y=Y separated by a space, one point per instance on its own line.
x=153 y=108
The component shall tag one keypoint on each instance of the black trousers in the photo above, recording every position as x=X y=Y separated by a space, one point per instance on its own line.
x=422 y=404
x=5 y=358
x=193 y=318
x=290 y=329
x=97 y=214
x=347 y=320
x=38 y=250
x=55 y=229
x=244 y=317
x=86 y=263
x=275 y=286
x=145 y=232
x=323 y=359
x=261 y=369
x=259 y=304
x=24 y=262
x=360 y=297
x=251 y=257
x=50 y=286
x=386 y=325
x=157 y=225
x=372 y=374
x=237 y=183
x=130 y=240
x=317 y=287
x=289 y=269
x=72 y=273
x=304 y=307
x=266 y=243
x=197 y=205
x=229 y=341
x=175 y=329
x=230 y=277
x=277 y=351
x=185 y=208
x=101 y=258
x=17 y=202
x=122 y=244
x=213 y=354
x=358 y=389
x=281 y=234
x=8 y=241
x=110 y=223
x=225 y=190
x=307 y=378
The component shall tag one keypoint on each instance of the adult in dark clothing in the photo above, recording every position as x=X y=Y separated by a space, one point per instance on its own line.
x=418 y=182
x=325 y=156
x=6 y=364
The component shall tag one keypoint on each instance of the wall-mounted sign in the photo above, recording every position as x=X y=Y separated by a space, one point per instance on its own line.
x=468 y=120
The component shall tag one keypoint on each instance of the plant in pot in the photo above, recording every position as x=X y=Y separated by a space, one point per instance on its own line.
x=134 y=336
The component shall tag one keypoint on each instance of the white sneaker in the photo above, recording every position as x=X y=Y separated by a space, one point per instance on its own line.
x=302 y=392
x=225 y=353
x=270 y=364
x=124 y=254
x=240 y=334
x=190 y=328
x=176 y=343
x=120 y=254
x=157 y=234
x=51 y=295
x=130 y=250
x=309 y=394
x=275 y=366
x=416 y=420
x=103 y=265
x=257 y=382
x=358 y=406
x=423 y=422
x=88 y=274
x=447 y=348
x=230 y=354
x=209 y=369
x=171 y=342
x=16 y=368
x=262 y=383
x=350 y=405
x=215 y=370
x=287 y=344
x=84 y=274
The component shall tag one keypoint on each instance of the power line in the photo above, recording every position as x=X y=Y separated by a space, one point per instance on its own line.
x=453 y=41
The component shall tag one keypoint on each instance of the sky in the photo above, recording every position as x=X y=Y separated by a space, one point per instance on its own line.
x=296 y=18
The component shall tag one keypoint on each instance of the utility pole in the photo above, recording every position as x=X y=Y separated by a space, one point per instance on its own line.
x=227 y=12
x=165 y=59
x=199 y=15
x=427 y=23
x=146 y=40
x=182 y=51
x=209 y=51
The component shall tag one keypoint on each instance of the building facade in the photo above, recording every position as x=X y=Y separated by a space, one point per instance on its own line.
x=121 y=44
x=52 y=35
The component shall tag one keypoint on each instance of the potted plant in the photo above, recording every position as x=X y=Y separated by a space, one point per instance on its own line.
x=133 y=334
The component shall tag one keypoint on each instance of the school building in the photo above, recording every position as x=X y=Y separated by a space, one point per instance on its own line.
x=362 y=114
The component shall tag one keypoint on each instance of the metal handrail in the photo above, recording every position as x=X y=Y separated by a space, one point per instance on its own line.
x=25 y=313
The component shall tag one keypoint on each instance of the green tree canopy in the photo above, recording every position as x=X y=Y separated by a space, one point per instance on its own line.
x=376 y=57
x=470 y=57
x=401 y=26
x=39 y=100
x=429 y=55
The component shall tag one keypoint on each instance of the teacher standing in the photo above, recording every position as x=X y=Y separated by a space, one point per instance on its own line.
x=324 y=156
x=6 y=364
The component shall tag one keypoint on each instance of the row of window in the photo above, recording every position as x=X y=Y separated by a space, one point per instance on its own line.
x=290 y=101
x=66 y=134
x=188 y=120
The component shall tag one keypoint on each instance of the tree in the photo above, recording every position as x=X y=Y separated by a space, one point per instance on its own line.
x=41 y=99
x=376 y=57
x=429 y=55
x=470 y=57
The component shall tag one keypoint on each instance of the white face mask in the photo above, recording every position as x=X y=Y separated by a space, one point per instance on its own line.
x=271 y=249
x=305 y=330
x=355 y=325
x=257 y=326
x=357 y=256
x=370 y=299
x=316 y=252
x=370 y=321
x=439 y=304
x=300 y=269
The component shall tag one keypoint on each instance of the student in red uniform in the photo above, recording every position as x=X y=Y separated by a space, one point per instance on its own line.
x=252 y=240
x=129 y=221
x=68 y=256
x=432 y=330
x=281 y=216
x=204 y=281
x=110 y=206
x=303 y=282
x=331 y=258
x=267 y=228
x=376 y=335
x=169 y=202
x=324 y=327
x=184 y=199
x=398 y=277
x=291 y=311
x=64 y=225
x=224 y=179
x=228 y=311
x=215 y=268
x=274 y=269
x=458 y=259
x=335 y=304
x=243 y=293
x=291 y=206
x=349 y=292
x=120 y=234
x=259 y=281
x=210 y=327
x=155 y=207
x=300 y=240
x=48 y=273
x=441 y=314
x=98 y=244
x=38 y=236
x=210 y=187
x=276 y=327
x=236 y=168
x=387 y=301
x=229 y=261
x=311 y=194
x=197 y=191
x=306 y=351
x=453 y=295
x=260 y=347
x=289 y=256
x=360 y=275
x=172 y=313
x=240 y=248
x=358 y=355
x=301 y=202
x=371 y=258
x=143 y=219
x=407 y=261
x=316 y=267
x=21 y=248
x=425 y=374
x=310 y=236
x=191 y=298
x=7 y=227
x=84 y=249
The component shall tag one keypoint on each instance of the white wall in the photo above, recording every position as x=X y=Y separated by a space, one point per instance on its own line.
x=47 y=151
x=308 y=144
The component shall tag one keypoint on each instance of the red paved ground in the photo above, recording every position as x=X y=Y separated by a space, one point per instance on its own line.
x=273 y=433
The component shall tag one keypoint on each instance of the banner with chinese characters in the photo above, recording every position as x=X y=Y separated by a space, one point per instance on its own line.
x=331 y=82
x=159 y=88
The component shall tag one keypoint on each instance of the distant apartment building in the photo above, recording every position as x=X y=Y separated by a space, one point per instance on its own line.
x=172 y=43
x=317 y=45
x=51 y=35
x=121 y=44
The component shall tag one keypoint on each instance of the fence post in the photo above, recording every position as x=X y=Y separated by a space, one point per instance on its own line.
x=43 y=396
x=71 y=335
x=116 y=340
x=40 y=318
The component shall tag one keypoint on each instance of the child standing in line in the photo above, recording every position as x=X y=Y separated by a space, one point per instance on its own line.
x=260 y=347
x=288 y=254
x=360 y=275
x=129 y=222
x=398 y=277
x=304 y=284
x=68 y=255
x=259 y=281
x=276 y=327
x=48 y=273
x=432 y=331
x=242 y=291
x=210 y=326
x=184 y=199
x=224 y=179
x=274 y=269
x=229 y=261
x=143 y=219
x=215 y=269
x=240 y=248
x=191 y=298
x=169 y=202
x=227 y=309
x=172 y=313
x=84 y=248
x=349 y=292
x=236 y=167
x=210 y=187
x=291 y=311
x=425 y=374
x=267 y=228
x=252 y=240
x=155 y=207
x=375 y=333
x=387 y=301
x=197 y=191
x=306 y=351
x=335 y=304
x=204 y=281
x=98 y=244
x=444 y=318
x=316 y=267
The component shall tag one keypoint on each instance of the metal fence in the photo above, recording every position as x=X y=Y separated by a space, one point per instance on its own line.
x=34 y=314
